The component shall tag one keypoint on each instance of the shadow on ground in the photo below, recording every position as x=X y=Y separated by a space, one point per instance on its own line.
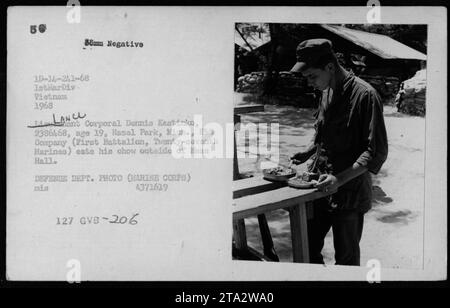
x=402 y=217
x=391 y=113
x=280 y=230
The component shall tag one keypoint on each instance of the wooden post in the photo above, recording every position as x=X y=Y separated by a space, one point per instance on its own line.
x=240 y=237
x=299 y=233
x=236 y=175
x=269 y=250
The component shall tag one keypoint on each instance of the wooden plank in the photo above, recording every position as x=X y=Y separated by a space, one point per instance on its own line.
x=284 y=197
x=257 y=254
x=242 y=109
x=250 y=254
x=299 y=233
x=254 y=185
x=240 y=236
x=236 y=174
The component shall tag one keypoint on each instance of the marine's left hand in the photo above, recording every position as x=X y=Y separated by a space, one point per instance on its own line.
x=327 y=182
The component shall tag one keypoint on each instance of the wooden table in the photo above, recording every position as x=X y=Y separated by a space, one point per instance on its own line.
x=269 y=250
x=256 y=196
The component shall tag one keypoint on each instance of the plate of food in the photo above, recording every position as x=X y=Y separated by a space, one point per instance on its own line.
x=305 y=180
x=279 y=174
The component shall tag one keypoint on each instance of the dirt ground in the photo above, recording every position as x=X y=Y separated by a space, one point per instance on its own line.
x=393 y=228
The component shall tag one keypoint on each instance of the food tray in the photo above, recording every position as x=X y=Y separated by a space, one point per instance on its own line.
x=306 y=180
x=278 y=178
x=299 y=183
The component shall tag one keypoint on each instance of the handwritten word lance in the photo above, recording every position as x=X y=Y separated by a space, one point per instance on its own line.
x=62 y=120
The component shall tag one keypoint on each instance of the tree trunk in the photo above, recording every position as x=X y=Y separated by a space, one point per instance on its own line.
x=272 y=69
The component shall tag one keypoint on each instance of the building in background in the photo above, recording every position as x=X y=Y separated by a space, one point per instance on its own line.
x=270 y=49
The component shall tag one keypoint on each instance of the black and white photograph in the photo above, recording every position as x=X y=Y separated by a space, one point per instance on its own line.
x=225 y=143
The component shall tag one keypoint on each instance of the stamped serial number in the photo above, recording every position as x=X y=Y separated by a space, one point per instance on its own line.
x=245 y=297
x=95 y=220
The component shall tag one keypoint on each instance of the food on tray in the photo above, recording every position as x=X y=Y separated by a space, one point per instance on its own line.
x=309 y=176
x=279 y=173
x=304 y=180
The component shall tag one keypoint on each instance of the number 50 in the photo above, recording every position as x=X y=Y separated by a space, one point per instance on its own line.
x=42 y=28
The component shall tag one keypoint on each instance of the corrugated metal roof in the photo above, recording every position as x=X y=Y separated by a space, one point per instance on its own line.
x=381 y=45
x=258 y=37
